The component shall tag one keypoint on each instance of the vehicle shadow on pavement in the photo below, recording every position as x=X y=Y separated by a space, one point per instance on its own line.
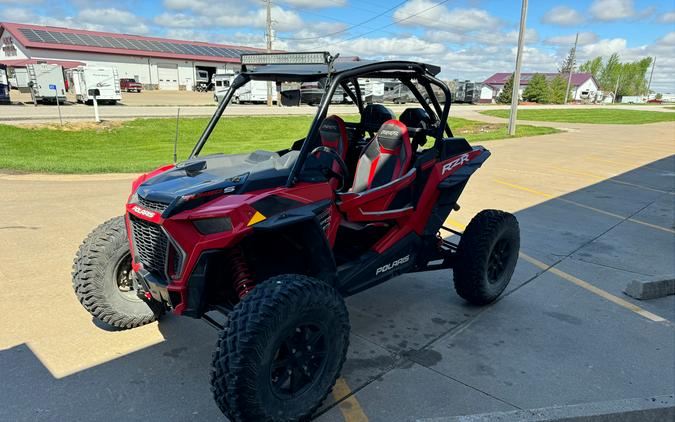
x=417 y=349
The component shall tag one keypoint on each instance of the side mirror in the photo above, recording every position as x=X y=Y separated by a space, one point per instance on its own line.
x=94 y=92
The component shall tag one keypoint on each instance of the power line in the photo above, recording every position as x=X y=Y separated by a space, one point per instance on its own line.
x=332 y=18
x=396 y=21
x=345 y=29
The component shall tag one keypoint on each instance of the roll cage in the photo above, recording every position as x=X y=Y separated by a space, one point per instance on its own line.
x=345 y=75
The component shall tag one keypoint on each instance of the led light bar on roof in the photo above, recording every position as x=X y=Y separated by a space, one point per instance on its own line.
x=322 y=57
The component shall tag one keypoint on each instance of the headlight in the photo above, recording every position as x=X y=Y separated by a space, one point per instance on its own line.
x=133 y=198
x=213 y=225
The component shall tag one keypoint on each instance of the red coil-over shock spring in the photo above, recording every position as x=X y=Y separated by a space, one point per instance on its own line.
x=242 y=280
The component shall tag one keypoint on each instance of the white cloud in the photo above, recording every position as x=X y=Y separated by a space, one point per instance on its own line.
x=568 y=40
x=613 y=10
x=387 y=46
x=16 y=14
x=106 y=16
x=113 y=18
x=668 y=17
x=423 y=13
x=203 y=14
x=482 y=37
x=667 y=40
x=563 y=16
x=178 y=20
x=605 y=47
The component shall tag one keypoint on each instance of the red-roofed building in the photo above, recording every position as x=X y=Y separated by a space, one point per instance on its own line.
x=155 y=62
x=583 y=85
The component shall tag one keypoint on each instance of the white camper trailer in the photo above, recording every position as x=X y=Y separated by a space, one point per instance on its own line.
x=45 y=82
x=221 y=83
x=254 y=92
x=4 y=85
x=372 y=90
x=105 y=79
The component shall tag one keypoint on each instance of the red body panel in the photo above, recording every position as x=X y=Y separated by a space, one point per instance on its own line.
x=238 y=208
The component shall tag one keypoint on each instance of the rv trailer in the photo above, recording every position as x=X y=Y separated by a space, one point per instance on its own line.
x=85 y=78
x=4 y=85
x=45 y=82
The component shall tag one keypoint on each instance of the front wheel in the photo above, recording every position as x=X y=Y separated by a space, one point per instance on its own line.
x=486 y=256
x=281 y=351
x=102 y=278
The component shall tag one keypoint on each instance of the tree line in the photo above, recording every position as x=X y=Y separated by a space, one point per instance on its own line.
x=629 y=78
x=539 y=90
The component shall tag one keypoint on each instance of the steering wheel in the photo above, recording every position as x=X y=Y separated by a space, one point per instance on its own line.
x=336 y=157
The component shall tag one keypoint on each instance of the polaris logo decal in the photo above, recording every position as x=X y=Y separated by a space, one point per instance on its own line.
x=392 y=133
x=383 y=269
x=143 y=212
x=459 y=161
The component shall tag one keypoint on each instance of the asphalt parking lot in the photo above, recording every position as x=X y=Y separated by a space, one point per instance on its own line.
x=596 y=210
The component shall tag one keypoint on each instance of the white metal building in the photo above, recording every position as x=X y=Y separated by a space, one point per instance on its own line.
x=157 y=63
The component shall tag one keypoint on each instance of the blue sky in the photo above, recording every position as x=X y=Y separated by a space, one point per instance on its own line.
x=470 y=39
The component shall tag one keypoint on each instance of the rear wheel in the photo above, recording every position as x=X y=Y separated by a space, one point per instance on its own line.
x=486 y=256
x=281 y=351
x=102 y=278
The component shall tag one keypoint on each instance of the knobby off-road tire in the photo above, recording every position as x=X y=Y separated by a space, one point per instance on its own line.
x=262 y=333
x=486 y=256
x=99 y=263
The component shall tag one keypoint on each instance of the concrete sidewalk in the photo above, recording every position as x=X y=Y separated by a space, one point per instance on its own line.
x=595 y=208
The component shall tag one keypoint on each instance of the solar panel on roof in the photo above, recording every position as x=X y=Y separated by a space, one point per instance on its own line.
x=58 y=37
x=168 y=47
x=136 y=45
x=105 y=41
x=30 y=34
x=69 y=38
x=183 y=49
x=73 y=38
x=116 y=42
x=41 y=34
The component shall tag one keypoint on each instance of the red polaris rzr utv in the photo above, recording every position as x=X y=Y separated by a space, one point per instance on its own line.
x=277 y=240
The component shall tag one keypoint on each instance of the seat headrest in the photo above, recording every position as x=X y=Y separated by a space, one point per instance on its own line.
x=333 y=134
x=392 y=135
x=374 y=115
x=416 y=117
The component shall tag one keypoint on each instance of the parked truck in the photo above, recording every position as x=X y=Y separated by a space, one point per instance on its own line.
x=46 y=83
x=105 y=79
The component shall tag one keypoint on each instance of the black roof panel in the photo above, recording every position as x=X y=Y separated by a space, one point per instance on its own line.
x=313 y=72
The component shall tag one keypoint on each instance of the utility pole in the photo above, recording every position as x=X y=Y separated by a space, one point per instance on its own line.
x=516 y=76
x=616 y=88
x=569 y=78
x=649 y=85
x=268 y=27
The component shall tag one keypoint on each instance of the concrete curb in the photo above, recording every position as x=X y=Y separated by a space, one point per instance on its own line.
x=652 y=409
x=652 y=287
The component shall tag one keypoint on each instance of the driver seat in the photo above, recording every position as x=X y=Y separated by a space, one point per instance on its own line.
x=333 y=134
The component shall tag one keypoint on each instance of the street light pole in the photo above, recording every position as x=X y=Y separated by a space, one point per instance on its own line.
x=649 y=85
x=569 y=78
x=269 y=47
x=516 y=77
